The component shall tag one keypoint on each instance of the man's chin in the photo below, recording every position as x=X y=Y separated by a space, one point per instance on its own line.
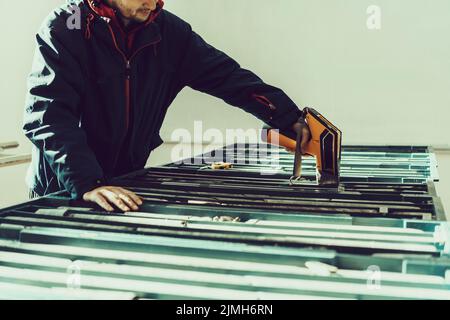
x=140 y=17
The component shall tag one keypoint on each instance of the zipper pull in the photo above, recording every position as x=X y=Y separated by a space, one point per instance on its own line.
x=128 y=69
x=265 y=101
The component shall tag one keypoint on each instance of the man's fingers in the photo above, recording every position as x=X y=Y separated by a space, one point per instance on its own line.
x=138 y=200
x=289 y=150
x=304 y=144
x=115 y=199
x=306 y=136
x=108 y=197
x=128 y=200
x=101 y=201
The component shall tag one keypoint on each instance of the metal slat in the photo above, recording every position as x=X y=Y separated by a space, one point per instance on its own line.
x=151 y=280
x=343 y=245
x=362 y=234
x=150 y=289
x=10 y=291
x=239 y=232
x=296 y=221
x=351 y=162
x=235 y=261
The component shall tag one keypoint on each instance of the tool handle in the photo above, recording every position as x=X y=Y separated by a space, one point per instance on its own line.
x=297 y=173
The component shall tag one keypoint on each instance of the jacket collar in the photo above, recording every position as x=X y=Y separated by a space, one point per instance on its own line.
x=149 y=31
x=101 y=9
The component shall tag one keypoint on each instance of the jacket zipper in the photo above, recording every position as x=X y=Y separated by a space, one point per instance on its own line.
x=127 y=83
x=128 y=72
x=127 y=94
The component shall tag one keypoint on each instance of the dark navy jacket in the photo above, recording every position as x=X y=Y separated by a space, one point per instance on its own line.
x=98 y=96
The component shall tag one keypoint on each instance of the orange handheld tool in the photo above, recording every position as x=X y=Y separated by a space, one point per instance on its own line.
x=324 y=145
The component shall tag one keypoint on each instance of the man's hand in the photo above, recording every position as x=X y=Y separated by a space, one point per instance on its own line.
x=106 y=197
x=302 y=127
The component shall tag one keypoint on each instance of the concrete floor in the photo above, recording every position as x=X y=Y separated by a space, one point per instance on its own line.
x=13 y=190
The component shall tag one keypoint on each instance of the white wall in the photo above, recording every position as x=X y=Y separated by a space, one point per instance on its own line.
x=389 y=86
x=18 y=25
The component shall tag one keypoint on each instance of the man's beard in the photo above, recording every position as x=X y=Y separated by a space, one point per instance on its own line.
x=139 y=16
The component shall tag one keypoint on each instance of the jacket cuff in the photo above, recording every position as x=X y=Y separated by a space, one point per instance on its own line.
x=287 y=120
x=79 y=190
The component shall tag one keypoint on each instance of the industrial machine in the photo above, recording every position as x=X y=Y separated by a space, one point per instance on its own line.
x=231 y=233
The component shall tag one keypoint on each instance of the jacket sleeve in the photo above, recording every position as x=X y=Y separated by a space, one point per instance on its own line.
x=211 y=71
x=53 y=113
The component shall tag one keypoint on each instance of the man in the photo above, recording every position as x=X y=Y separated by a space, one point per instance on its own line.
x=98 y=94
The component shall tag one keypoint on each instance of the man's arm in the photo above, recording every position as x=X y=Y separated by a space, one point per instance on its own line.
x=52 y=114
x=211 y=71
x=52 y=122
